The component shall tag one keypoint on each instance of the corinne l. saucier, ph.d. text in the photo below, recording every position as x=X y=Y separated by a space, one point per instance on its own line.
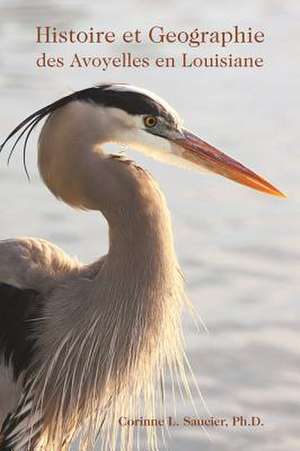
x=235 y=421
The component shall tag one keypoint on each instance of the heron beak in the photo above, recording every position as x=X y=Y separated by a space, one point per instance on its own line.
x=203 y=154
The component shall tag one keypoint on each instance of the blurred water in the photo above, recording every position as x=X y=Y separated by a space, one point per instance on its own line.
x=239 y=250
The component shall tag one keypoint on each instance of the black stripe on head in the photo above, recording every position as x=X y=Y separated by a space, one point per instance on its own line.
x=111 y=95
x=130 y=100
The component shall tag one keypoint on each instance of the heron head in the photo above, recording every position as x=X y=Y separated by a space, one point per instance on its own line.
x=125 y=114
x=148 y=124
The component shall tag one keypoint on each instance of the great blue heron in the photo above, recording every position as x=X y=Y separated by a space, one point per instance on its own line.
x=80 y=344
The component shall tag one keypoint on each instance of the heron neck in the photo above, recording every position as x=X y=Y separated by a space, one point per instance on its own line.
x=141 y=230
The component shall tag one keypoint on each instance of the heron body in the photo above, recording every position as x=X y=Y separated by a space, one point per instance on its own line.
x=80 y=345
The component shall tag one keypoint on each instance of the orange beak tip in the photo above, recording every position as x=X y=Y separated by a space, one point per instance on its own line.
x=280 y=194
x=271 y=191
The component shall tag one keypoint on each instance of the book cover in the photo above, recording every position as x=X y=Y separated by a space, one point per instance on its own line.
x=149 y=226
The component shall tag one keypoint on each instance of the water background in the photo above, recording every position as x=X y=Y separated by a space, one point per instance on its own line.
x=239 y=250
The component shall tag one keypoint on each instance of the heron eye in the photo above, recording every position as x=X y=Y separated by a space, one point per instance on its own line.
x=150 y=121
